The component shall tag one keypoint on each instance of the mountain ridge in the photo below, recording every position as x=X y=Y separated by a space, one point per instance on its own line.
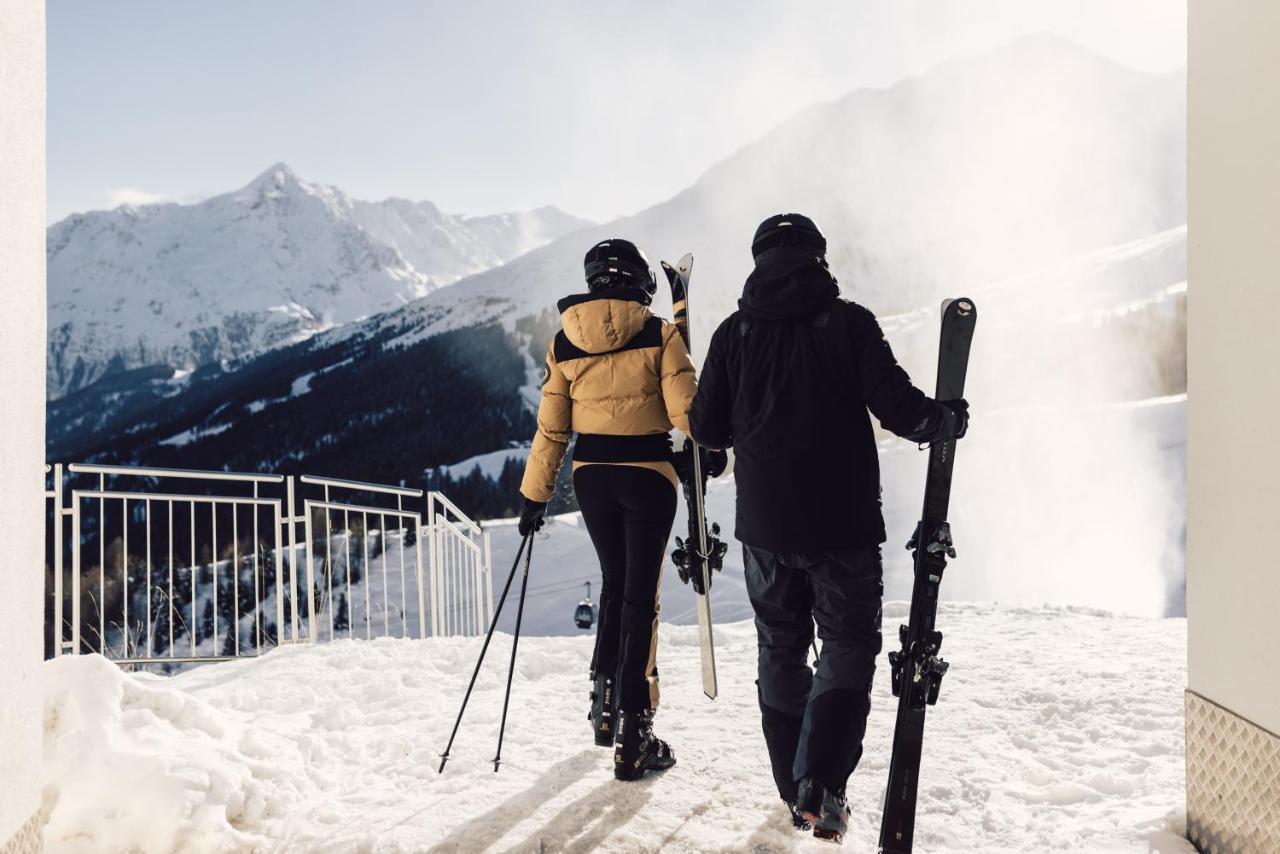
x=262 y=266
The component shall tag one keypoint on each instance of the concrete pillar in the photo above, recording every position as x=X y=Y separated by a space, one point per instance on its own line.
x=22 y=347
x=1233 y=566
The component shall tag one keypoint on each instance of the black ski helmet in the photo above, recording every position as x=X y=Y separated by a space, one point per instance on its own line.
x=788 y=229
x=617 y=263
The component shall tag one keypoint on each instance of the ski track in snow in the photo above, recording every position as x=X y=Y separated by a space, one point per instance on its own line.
x=1057 y=730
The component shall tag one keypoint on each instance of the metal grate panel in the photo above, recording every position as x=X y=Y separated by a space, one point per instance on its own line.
x=28 y=839
x=1233 y=781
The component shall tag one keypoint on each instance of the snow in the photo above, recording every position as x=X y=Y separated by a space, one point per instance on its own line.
x=1057 y=730
x=490 y=464
x=190 y=435
x=301 y=385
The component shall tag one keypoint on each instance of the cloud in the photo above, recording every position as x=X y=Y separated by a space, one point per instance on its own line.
x=134 y=197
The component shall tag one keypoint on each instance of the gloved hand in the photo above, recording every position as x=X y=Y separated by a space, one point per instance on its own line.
x=532 y=515
x=713 y=462
x=956 y=413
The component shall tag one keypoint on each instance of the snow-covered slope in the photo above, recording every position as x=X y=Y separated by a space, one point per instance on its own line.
x=1037 y=744
x=247 y=271
x=983 y=168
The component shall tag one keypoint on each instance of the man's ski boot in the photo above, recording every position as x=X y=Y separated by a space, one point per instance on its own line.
x=826 y=809
x=637 y=749
x=602 y=711
x=798 y=821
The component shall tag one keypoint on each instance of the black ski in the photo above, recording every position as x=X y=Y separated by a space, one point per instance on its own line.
x=916 y=670
x=701 y=552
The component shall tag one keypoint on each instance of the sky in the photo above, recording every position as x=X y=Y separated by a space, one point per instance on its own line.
x=600 y=108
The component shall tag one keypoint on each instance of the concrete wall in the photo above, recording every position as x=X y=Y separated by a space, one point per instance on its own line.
x=1233 y=145
x=1233 y=571
x=22 y=345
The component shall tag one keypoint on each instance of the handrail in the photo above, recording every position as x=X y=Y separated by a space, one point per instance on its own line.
x=361 y=485
x=190 y=474
x=462 y=537
x=181 y=565
x=80 y=494
x=360 y=508
x=453 y=508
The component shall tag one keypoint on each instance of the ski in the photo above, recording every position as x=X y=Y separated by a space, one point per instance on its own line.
x=701 y=552
x=916 y=671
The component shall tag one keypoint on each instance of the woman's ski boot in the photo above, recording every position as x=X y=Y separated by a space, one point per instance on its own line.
x=602 y=711
x=637 y=749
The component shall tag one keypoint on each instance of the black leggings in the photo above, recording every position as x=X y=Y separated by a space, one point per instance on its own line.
x=628 y=511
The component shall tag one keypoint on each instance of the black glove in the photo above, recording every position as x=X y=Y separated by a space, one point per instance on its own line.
x=531 y=517
x=713 y=462
x=956 y=414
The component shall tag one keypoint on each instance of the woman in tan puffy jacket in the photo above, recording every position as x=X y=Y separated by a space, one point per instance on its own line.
x=620 y=378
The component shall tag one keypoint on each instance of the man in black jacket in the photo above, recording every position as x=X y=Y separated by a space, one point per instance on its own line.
x=787 y=382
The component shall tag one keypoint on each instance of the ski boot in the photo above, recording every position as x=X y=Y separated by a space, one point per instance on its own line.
x=798 y=821
x=637 y=749
x=602 y=711
x=826 y=809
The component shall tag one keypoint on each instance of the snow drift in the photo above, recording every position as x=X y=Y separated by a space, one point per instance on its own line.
x=1057 y=730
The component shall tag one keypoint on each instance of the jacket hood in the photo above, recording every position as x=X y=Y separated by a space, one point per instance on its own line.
x=603 y=321
x=788 y=282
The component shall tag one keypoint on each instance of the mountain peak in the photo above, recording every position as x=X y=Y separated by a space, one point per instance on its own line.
x=279 y=177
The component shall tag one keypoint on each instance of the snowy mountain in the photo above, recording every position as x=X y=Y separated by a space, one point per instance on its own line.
x=241 y=273
x=1041 y=179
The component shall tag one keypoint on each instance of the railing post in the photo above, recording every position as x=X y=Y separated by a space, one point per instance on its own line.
x=57 y=559
x=312 y=630
x=488 y=576
x=422 y=593
x=75 y=574
x=291 y=521
x=279 y=581
x=433 y=554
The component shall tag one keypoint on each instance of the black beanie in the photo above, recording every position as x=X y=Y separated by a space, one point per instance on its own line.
x=789 y=229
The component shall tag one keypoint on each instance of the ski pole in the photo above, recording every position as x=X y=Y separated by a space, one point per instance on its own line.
x=527 y=540
x=515 y=642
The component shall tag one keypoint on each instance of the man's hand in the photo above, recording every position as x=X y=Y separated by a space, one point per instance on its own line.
x=956 y=413
x=713 y=462
x=532 y=516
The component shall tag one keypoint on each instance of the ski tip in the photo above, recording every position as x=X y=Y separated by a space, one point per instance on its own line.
x=964 y=306
x=685 y=264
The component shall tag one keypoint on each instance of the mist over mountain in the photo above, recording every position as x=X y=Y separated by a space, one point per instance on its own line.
x=984 y=167
x=241 y=273
x=1040 y=179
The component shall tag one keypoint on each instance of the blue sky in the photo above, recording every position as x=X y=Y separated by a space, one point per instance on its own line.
x=601 y=108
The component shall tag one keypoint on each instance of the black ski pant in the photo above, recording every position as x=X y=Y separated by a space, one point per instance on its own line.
x=814 y=722
x=628 y=511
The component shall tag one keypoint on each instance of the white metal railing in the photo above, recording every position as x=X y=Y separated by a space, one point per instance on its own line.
x=202 y=573
x=366 y=574
x=461 y=570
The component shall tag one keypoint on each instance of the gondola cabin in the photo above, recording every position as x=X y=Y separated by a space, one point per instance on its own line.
x=584 y=616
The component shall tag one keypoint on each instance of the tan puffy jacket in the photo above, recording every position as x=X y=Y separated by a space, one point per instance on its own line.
x=617 y=376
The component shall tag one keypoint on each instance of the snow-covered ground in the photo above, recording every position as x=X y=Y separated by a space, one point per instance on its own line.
x=1058 y=730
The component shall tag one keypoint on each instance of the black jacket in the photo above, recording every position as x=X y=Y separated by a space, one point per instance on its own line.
x=787 y=382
